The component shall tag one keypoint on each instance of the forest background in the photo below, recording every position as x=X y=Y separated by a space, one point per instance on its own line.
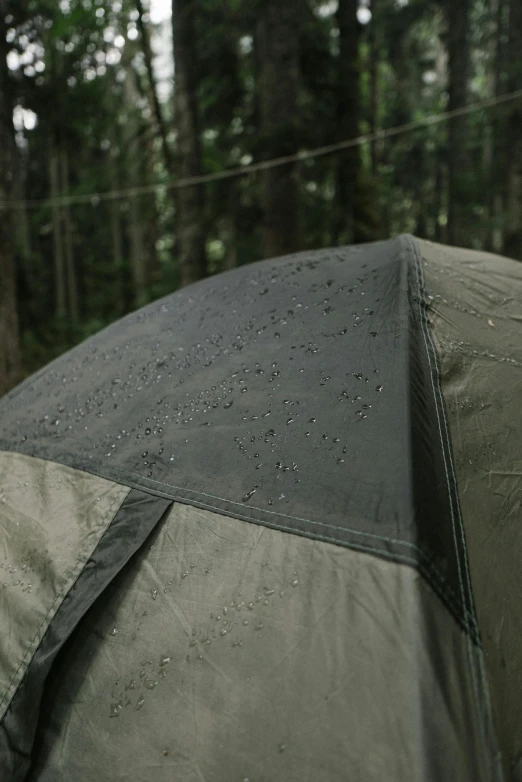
x=145 y=144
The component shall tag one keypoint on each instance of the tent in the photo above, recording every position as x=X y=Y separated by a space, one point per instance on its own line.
x=268 y=528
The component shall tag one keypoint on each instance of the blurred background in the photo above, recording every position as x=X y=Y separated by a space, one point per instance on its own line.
x=145 y=144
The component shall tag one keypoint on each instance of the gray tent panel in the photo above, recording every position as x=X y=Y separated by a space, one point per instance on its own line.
x=476 y=307
x=229 y=651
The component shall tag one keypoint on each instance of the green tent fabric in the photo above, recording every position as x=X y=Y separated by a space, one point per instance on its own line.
x=268 y=528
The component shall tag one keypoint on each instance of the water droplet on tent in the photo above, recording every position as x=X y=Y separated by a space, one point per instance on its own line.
x=294 y=583
x=259 y=626
x=115 y=709
x=154 y=594
x=249 y=494
x=139 y=704
x=228 y=404
x=114 y=631
x=281 y=747
x=373 y=333
x=340 y=461
x=164 y=661
x=223 y=631
x=150 y=684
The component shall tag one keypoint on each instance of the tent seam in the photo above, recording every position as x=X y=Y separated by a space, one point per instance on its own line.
x=453 y=500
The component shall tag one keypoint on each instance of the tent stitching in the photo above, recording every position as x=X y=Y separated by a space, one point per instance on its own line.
x=453 y=498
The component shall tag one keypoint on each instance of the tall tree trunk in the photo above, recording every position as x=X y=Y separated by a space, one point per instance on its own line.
x=497 y=163
x=190 y=207
x=277 y=53
x=116 y=237
x=138 y=265
x=134 y=170
x=513 y=190
x=347 y=118
x=59 y=265
x=10 y=355
x=22 y=225
x=158 y=114
x=459 y=222
x=374 y=80
x=72 y=282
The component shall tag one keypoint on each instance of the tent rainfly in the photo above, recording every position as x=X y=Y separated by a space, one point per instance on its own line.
x=268 y=528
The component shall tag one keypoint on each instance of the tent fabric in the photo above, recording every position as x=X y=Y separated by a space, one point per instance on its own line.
x=51 y=519
x=310 y=408
x=476 y=308
x=123 y=533
x=265 y=394
x=227 y=651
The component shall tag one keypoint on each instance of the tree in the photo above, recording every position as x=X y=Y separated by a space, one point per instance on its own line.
x=513 y=187
x=459 y=166
x=190 y=232
x=277 y=49
x=10 y=358
x=347 y=118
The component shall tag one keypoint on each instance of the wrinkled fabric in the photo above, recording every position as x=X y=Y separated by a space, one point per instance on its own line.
x=51 y=519
x=124 y=533
x=228 y=651
x=266 y=393
x=293 y=413
x=476 y=308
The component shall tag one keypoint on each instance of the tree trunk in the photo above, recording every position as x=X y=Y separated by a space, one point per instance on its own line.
x=72 y=283
x=459 y=218
x=158 y=114
x=347 y=118
x=117 y=237
x=497 y=163
x=10 y=355
x=138 y=265
x=134 y=169
x=374 y=81
x=513 y=189
x=59 y=266
x=278 y=62
x=190 y=210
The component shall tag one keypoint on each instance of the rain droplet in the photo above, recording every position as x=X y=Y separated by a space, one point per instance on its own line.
x=247 y=496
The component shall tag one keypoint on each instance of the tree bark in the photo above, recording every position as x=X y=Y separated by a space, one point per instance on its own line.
x=513 y=188
x=496 y=175
x=374 y=81
x=158 y=113
x=277 y=50
x=190 y=203
x=459 y=168
x=348 y=101
x=59 y=264
x=72 y=282
x=10 y=354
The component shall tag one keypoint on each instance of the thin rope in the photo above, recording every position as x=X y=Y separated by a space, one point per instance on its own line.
x=110 y=195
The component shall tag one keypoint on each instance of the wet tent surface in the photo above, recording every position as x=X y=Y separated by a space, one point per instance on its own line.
x=322 y=413
x=295 y=393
